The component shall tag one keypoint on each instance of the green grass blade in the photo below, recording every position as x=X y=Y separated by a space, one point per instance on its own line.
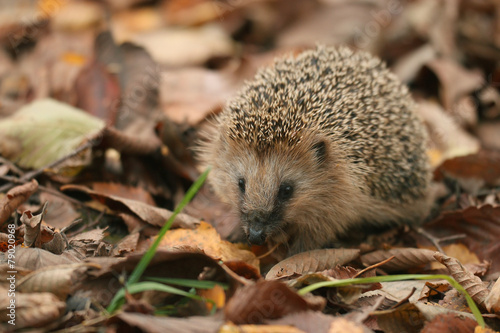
x=190 y=283
x=139 y=287
x=117 y=301
x=341 y=283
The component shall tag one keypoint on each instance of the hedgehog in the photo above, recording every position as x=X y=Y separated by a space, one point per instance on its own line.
x=318 y=146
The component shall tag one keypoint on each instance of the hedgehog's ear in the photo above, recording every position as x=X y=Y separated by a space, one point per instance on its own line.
x=320 y=151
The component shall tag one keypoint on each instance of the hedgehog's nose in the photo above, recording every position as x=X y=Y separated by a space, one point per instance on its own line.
x=256 y=235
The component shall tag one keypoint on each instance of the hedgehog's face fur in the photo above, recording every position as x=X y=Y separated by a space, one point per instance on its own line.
x=272 y=189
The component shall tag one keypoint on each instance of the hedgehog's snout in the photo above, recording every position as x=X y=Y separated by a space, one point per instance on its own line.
x=256 y=236
x=256 y=226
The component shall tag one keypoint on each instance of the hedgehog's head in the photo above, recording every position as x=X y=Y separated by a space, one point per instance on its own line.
x=272 y=184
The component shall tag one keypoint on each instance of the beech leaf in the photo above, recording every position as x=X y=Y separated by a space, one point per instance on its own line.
x=311 y=261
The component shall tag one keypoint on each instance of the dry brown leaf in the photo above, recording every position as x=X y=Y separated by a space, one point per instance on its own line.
x=126 y=245
x=190 y=95
x=462 y=253
x=317 y=322
x=483 y=166
x=57 y=245
x=492 y=301
x=406 y=318
x=253 y=304
x=34 y=258
x=33 y=227
x=446 y=136
x=154 y=324
x=456 y=81
x=184 y=47
x=205 y=238
x=58 y=280
x=481 y=225
x=33 y=309
x=150 y=214
x=404 y=258
x=60 y=212
x=469 y=281
x=449 y=323
x=95 y=235
x=230 y=328
x=311 y=261
x=78 y=16
x=14 y=198
x=489 y=134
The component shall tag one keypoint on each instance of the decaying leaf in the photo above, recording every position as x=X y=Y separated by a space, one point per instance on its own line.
x=35 y=258
x=446 y=136
x=149 y=323
x=492 y=301
x=403 y=258
x=469 y=281
x=58 y=280
x=406 y=318
x=311 y=261
x=14 y=198
x=449 y=323
x=205 y=238
x=150 y=214
x=314 y=321
x=483 y=166
x=481 y=225
x=33 y=309
x=45 y=131
x=33 y=225
x=252 y=304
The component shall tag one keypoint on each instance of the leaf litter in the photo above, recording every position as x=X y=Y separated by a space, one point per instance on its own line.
x=102 y=103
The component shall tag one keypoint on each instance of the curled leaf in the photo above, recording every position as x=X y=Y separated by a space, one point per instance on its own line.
x=403 y=258
x=469 y=281
x=311 y=261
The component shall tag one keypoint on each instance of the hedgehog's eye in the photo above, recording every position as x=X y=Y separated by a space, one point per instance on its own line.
x=241 y=185
x=285 y=192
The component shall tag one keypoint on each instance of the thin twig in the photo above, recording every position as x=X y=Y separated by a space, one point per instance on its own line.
x=369 y=268
x=11 y=166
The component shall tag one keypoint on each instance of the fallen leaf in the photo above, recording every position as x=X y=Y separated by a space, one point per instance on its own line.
x=205 y=238
x=471 y=283
x=215 y=294
x=483 y=166
x=445 y=134
x=155 y=324
x=316 y=322
x=489 y=134
x=35 y=258
x=14 y=198
x=449 y=323
x=405 y=318
x=46 y=131
x=311 y=261
x=462 y=253
x=58 y=280
x=33 y=232
x=183 y=47
x=481 y=226
x=33 y=309
x=492 y=301
x=255 y=303
x=78 y=16
x=150 y=214
x=404 y=258
x=455 y=80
